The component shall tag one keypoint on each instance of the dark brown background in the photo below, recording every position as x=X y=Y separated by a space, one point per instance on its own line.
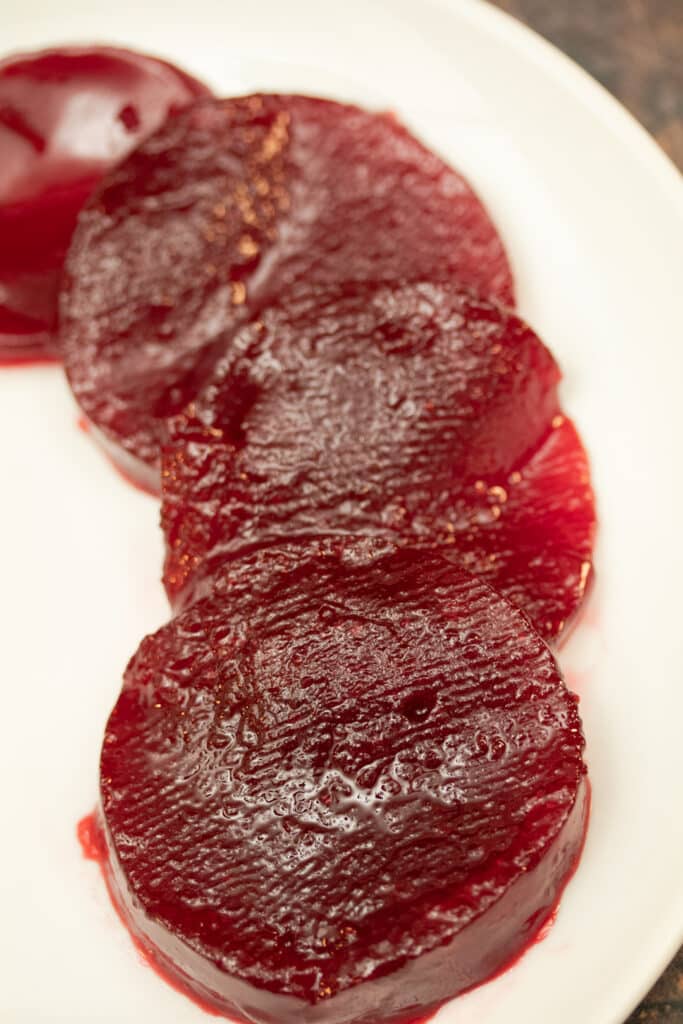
x=635 y=48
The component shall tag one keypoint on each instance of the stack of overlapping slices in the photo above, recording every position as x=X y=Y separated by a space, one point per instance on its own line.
x=345 y=781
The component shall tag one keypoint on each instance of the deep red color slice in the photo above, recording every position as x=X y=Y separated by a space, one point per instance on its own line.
x=66 y=115
x=414 y=411
x=223 y=210
x=344 y=788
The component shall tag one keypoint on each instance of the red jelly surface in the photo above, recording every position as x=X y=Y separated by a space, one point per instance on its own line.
x=224 y=209
x=66 y=115
x=344 y=788
x=414 y=411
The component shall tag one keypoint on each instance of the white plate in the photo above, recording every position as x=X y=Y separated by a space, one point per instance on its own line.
x=592 y=213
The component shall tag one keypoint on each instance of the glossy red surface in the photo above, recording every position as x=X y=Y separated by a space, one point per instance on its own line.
x=223 y=210
x=93 y=844
x=344 y=788
x=411 y=411
x=66 y=115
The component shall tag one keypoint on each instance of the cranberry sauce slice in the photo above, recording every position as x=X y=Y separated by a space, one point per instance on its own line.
x=66 y=115
x=223 y=210
x=530 y=532
x=412 y=411
x=343 y=788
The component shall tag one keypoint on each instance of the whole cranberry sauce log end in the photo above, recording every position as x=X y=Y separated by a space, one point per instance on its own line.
x=343 y=788
x=229 y=205
x=66 y=115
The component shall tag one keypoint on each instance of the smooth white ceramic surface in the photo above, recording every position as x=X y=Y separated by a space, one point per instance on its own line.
x=593 y=216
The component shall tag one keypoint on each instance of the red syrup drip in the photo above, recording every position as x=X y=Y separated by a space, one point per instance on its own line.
x=93 y=847
x=91 y=839
x=27 y=362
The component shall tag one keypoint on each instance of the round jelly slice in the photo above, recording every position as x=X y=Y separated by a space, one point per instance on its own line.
x=413 y=411
x=66 y=115
x=342 y=791
x=223 y=210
